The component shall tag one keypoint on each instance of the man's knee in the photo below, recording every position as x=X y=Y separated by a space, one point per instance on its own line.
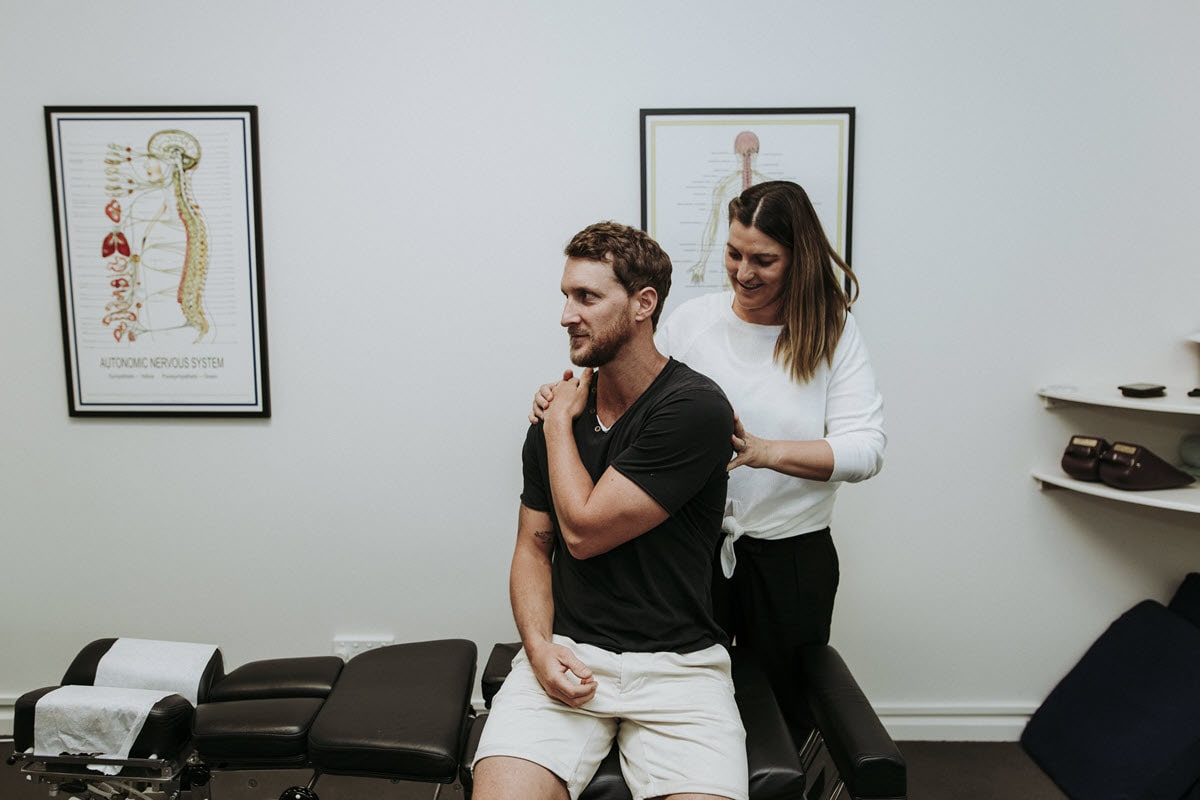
x=508 y=778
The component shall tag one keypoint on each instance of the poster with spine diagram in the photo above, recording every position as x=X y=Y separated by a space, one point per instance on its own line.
x=158 y=229
x=694 y=161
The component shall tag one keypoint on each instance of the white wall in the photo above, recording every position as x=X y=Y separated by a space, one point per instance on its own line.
x=1026 y=199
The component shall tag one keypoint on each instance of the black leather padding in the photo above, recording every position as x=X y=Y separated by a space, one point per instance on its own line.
x=498 y=665
x=400 y=712
x=775 y=769
x=279 y=677
x=264 y=732
x=774 y=763
x=609 y=784
x=24 y=713
x=868 y=761
x=82 y=671
x=465 y=776
x=166 y=730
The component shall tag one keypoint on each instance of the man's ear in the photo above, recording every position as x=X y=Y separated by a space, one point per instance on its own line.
x=647 y=301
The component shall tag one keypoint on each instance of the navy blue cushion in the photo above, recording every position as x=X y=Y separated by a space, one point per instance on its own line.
x=1186 y=602
x=1125 y=721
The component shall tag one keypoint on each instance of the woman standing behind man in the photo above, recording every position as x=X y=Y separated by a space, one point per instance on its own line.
x=793 y=364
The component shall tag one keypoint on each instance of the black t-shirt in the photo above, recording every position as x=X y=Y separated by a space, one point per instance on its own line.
x=652 y=593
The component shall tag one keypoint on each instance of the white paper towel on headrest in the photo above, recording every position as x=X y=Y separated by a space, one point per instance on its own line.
x=99 y=721
x=174 y=667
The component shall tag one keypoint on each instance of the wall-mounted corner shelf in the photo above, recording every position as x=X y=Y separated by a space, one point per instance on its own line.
x=1186 y=498
x=1176 y=401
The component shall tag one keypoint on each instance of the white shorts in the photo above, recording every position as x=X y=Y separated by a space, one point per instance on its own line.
x=673 y=716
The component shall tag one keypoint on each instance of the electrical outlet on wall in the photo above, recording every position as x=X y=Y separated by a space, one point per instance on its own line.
x=347 y=647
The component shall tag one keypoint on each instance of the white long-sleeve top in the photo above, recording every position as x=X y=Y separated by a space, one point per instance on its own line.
x=840 y=404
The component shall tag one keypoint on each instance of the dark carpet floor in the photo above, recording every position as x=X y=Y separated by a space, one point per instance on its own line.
x=974 y=771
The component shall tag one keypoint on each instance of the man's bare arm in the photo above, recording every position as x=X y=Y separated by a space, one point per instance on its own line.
x=529 y=589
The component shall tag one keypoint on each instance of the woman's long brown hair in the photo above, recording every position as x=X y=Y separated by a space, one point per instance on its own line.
x=814 y=301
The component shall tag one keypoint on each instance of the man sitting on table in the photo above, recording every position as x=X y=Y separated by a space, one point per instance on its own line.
x=624 y=492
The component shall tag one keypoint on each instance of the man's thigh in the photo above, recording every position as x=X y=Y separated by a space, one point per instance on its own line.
x=504 y=778
x=526 y=724
x=681 y=733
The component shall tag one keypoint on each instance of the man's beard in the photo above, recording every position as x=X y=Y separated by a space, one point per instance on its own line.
x=603 y=346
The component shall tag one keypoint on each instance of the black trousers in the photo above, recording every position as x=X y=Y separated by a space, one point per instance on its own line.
x=779 y=600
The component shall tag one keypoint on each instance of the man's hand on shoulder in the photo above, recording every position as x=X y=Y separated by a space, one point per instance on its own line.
x=562 y=675
x=570 y=397
x=542 y=398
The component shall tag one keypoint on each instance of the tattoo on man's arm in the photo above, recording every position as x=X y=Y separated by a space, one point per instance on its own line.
x=543 y=536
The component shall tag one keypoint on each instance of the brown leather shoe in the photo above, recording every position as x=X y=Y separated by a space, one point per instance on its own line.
x=1081 y=459
x=1131 y=466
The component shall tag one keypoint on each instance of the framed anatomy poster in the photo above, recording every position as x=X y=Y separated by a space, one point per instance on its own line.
x=159 y=239
x=694 y=161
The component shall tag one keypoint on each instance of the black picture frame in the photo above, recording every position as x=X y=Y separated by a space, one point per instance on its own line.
x=158 y=232
x=694 y=160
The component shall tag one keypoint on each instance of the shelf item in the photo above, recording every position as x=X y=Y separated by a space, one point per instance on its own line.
x=1186 y=498
x=1176 y=401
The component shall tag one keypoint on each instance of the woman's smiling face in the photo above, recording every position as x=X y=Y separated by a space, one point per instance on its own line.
x=757 y=266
